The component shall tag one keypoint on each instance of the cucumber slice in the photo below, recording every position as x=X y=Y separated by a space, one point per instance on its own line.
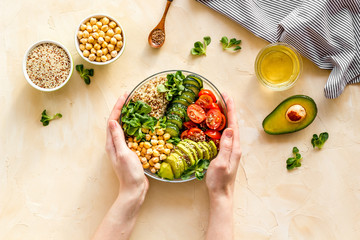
x=189 y=97
x=178 y=111
x=193 y=88
x=198 y=79
x=174 y=118
x=172 y=129
x=190 y=93
x=192 y=82
x=181 y=101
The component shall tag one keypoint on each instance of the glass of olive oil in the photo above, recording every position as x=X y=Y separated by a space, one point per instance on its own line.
x=278 y=66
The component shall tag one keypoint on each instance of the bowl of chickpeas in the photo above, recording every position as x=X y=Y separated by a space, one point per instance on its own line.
x=100 y=39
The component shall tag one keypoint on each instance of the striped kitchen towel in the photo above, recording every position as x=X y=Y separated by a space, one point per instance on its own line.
x=325 y=31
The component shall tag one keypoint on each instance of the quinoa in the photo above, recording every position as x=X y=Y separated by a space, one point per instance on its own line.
x=48 y=65
x=148 y=93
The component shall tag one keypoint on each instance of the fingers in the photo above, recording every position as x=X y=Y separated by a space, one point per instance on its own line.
x=226 y=146
x=115 y=113
x=118 y=138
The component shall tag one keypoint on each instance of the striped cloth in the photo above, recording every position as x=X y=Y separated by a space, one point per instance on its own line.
x=325 y=31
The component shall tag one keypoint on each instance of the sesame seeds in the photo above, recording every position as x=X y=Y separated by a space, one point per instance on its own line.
x=48 y=65
x=148 y=93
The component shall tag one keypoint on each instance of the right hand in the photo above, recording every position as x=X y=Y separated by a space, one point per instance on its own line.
x=221 y=174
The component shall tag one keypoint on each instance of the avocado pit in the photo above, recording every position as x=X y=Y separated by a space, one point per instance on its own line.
x=295 y=114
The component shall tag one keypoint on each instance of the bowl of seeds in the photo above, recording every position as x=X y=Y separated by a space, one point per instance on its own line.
x=99 y=39
x=47 y=65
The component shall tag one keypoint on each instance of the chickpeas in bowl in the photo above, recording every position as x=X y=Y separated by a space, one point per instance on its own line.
x=100 y=39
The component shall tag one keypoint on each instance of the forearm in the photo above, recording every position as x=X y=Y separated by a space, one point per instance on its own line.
x=221 y=218
x=120 y=219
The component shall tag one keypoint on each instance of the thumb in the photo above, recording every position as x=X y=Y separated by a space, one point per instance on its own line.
x=117 y=136
x=226 y=143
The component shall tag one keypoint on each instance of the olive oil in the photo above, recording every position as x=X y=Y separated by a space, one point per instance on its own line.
x=278 y=66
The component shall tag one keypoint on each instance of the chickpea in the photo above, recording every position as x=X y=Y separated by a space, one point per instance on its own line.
x=86 y=34
x=80 y=34
x=95 y=28
x=147 y=137
x=82 y=27
x=166 y=136
x=108 y=56
x=95 y=35
x=154 y=137
x=105 y=20
x=91 y=39
x=89 y=29
x=169 y=146
x=82 y=47
x=102 y=34
x=117 y=30
x=148 y=157
x=86 y=53
x=155 y=159
x=153 y=170
x=138 y=149
x=143 y=151
x=93 y=21
x=105 y=51
x=141 y=144
x=104 y=44
x=157 y=166
x=117 y=49
x=103 y=58
x=160 y=148
x=107 y=39
x=149 y=151
x=112 y=24
x=137 y=153
x=167 y=151
x=92 y=57
x=88 y=46
x=97 y=46
x=98 y=59
x=143 y=160
x=113 y=53
x=154 y=142
x=100 y=40
x=99 y=24
x=105 y=28
x=88 y=24
x=135 y=145
x=151 y=162
x=84 y=40
x=156 y=153
x=113 y=41
x=147 y=145
x=159 y=131
x=118 y=37
x=130 y=139
x=146 y=165
x=161 y=142
x=99 y=53
x=110 y=33
x=93 y=51
x=151 y=133
x=163 y=156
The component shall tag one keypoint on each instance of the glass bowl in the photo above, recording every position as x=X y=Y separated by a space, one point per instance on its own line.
x=278 y=66
x=207 y=85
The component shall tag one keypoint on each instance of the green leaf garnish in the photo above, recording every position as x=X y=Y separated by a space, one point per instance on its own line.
x=85 y=73
x=198 y=169
x=295 y=161
x=233 y=44
x=200 y=48
x=45 y=119
x=173 y=85
x=319 y=141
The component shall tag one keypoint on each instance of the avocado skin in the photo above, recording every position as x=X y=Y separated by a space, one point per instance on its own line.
x=277 y=116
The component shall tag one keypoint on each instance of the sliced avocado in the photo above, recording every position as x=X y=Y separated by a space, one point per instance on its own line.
x=192 y=149
x=213 y=148
x=186 y=151
x=276 y=122
x=166 y=171
x=206 y=153
x=183 y=157
x=175 y=165
x=180 y=161
x=199 y=151
x=211 y=153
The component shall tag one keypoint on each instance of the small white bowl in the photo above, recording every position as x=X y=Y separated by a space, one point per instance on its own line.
x=77 y=43
x=27 y=76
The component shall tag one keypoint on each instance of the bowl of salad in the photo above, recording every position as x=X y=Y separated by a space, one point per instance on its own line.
x=173 y=121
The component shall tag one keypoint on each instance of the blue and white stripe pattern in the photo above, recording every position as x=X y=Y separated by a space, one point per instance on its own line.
x=325 y=31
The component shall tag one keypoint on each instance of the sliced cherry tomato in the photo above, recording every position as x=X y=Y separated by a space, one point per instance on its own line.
x=184 y=134
x=196 y=134
x=190 y=124
x=207 y=92
x=204 y=101
x=222 y=124
x=213 y=134
x=214 y=106
x=213 y=118
x=196 y=113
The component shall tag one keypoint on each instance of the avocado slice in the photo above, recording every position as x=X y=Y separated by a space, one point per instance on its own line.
x=175 y=165
x=276 y=123
x=206 y=153
x=192 y=150
x=213 y=148
x=183 y=158
x=211 y=153
x=166 y=171
x=197 y=148
x=180 y=161
x=187 y=152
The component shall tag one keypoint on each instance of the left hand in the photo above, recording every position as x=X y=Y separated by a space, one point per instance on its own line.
x=125 y=162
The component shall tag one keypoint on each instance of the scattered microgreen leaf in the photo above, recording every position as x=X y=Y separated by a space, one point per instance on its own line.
x=200 y=48
x=295 y=161
x=319 y=141
x=45 y=119
x=173 y=85
x=232 y=45
x=197 y=169
x=85 y=73
x=174 y=140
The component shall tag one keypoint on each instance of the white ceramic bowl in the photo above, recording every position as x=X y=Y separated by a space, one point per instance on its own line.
x=77 y=43
x=27 y=76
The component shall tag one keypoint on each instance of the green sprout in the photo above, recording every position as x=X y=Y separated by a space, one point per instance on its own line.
x=45 y=119
x=295 y=161
x=319 y=141
x=200 y=48
x=233 y=44
x=85 y=73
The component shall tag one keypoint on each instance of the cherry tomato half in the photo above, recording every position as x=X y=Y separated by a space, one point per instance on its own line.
x=204 y=101
x=207 y=92
x=222 y=124
x=196 y=113
x=184 y=134
x=213 y=118
x=214 y=106
x=196 y=134
x=189 y=125
x=213 y=134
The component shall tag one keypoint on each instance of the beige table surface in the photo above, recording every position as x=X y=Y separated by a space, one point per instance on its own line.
x=56 y=182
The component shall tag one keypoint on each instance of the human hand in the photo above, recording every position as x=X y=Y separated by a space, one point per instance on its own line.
x=125 y=162
x=221 y=174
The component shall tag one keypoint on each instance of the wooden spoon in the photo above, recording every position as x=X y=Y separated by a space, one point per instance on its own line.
x=157 y=36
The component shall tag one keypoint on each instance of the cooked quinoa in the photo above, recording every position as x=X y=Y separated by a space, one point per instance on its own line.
x=148 y=93
x=48 y=65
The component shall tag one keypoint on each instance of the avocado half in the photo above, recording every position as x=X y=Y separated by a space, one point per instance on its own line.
x=276 y=123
